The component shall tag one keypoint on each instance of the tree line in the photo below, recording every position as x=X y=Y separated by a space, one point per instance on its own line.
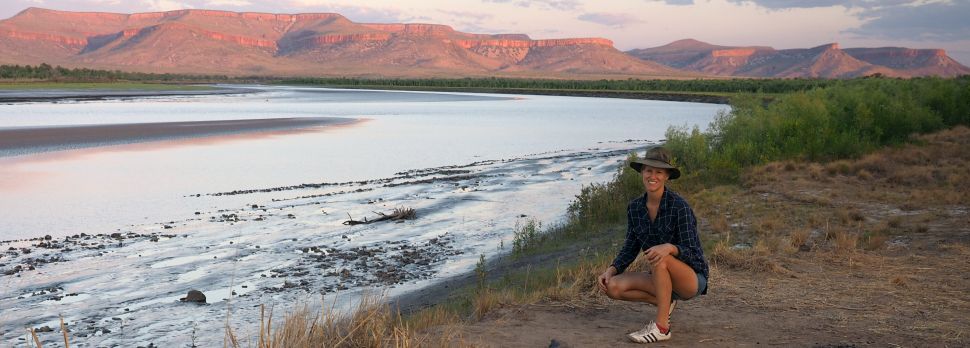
x=46 y=72
x=696 y=85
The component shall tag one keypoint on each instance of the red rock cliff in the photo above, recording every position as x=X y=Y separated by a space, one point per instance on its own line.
x=735 y=52
x=27 y=36
x=236 y=39
x=433 y=30
x=532 y=43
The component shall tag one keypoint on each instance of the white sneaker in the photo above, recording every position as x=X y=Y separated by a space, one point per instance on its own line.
x=649 y=334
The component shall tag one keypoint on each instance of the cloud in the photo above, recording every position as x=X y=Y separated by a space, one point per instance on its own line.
x=163 y=5
x=467 y=21
x=617 y=20
x=237 y=3
x=365 y=14
x=562 y=5
x=467 y=15
x=919 y=20
x=929 y=22
x=676 y=2
x=786 y=4
x=360 y=14
x=790 y=4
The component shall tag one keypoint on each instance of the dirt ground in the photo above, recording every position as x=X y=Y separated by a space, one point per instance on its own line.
x=871 y=252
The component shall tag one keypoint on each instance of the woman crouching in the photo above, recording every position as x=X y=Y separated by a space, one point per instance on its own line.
x=663 y=226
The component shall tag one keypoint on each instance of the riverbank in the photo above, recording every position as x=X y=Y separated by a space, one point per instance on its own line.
x=868 y=251
x=832 y=212
x=41 y=91
x=691 y=97
x=53 y=92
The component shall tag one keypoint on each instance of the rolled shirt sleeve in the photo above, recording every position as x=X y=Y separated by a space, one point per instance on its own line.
x=687 y=241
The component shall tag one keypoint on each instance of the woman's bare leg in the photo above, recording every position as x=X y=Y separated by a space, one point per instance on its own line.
x=632 y=286
x=655 y=288
x=669 y=274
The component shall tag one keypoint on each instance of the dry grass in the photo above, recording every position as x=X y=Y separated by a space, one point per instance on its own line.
x=798 y=238
x=844 y=242
x=849 y=215
x=894 y=221
x=372 y=323
x=404 y=213
x=67 y=342
x=488 y=300
x=720 y=225
x=787 y=201
x=768 y=225
x=842 y=167
x=431 y=317
x=877 y=237
x=817 y=173
x=757 y=258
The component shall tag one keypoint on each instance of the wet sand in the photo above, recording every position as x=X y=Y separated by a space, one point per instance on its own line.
x=17 y=141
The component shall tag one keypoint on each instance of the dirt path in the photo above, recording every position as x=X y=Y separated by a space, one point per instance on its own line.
x=868 y=301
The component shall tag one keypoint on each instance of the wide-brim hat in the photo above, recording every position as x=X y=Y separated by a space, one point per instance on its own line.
x=656 y=157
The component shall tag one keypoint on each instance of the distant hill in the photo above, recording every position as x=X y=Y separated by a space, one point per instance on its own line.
x=826 y=61
x=318 y=44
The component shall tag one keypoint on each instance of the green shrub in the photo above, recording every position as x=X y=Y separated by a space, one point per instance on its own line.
x=526 y=236
x=843 y=120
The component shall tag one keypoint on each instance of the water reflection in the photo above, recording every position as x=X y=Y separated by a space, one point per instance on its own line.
x=102 y=189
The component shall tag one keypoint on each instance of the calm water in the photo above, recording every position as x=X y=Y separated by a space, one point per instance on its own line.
x=103 y=189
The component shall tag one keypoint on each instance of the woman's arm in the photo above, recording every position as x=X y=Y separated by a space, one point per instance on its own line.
x=687 y=243
x=631 y=247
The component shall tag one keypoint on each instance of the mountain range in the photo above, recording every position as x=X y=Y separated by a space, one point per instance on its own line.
x=825 y=61
x=329 y=44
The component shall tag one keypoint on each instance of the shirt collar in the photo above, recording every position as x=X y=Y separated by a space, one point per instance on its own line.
x=665 y=200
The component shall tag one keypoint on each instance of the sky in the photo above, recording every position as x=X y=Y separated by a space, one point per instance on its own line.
x=629 y=23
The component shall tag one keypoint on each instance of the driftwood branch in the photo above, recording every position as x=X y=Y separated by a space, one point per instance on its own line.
x=399 y=215
x=352 y=222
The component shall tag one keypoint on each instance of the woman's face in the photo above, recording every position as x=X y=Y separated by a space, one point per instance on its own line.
x=654 y=179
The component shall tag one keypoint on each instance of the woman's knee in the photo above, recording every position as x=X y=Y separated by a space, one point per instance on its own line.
x=662 y=264
x=613 y=290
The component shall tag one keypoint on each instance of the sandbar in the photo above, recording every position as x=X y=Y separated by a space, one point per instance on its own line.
x=25 y=140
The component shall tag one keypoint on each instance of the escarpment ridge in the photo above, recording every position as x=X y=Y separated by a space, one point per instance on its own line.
x=308 y=44
x=329 y=44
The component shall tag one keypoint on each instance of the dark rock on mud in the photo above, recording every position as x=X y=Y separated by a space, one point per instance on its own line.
x=195 y=296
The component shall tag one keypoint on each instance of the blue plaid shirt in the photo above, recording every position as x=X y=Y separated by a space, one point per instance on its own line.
x=675 y=224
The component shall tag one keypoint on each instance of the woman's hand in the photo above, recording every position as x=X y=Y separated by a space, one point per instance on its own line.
x=658 y=252
x=604 y=277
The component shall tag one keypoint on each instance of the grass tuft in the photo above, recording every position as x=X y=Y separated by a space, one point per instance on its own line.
x=372 y=323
